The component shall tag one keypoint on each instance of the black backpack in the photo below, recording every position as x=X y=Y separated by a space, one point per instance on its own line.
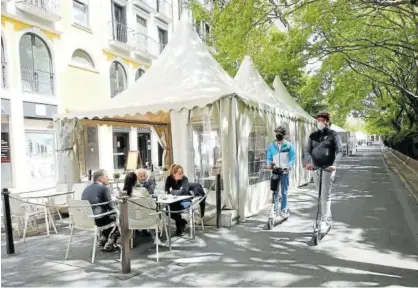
x=323 y=153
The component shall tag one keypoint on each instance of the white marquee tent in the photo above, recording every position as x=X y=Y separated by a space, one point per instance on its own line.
x=199 y=113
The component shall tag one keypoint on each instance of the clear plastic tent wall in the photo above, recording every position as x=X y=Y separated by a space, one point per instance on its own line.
x=256 y=128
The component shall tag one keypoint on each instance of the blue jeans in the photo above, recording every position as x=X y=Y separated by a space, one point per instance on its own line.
x=284 y=185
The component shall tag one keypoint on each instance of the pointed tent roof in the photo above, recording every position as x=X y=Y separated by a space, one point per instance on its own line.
x=184 y=76
x=283 y=94
x=250 y=80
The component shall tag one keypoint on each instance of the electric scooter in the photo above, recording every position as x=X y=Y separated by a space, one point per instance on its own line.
x=276 y=173
x=317 y=233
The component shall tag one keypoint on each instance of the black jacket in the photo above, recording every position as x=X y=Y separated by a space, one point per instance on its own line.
x=324 y=148
x=97 y=193
x=181 y=185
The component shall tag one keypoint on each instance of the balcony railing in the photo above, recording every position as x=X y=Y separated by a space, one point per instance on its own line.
x=37 y=81
x=51 y=7
x=127 y=38
x=120 y=32
x=3 y=74
x=146 y=44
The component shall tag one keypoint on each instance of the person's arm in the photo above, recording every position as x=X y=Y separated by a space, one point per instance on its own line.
x=308 y=151
x=107 y=197
x=185 y=185
x=338 y=150
x=269 y=157
x=292 y=157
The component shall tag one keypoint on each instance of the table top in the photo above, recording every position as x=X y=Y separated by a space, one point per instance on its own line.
x=169 y=199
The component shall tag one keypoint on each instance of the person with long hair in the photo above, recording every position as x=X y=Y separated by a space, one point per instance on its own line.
x=130 y=186
x=178 y=184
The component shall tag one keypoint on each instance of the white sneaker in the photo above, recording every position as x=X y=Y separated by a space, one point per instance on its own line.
x=285 y=214
x=324 y=227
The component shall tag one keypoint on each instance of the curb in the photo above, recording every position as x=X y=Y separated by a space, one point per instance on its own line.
x=408 y=184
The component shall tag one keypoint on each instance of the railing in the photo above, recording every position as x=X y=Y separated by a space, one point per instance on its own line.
x=120 y=32
x=37 y=81
x=3 y=74
x=164 y=7
x=146 y=44
x=49 y=6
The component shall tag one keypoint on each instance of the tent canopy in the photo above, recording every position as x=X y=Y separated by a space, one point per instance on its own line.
x=250 y=80
x=184 y=76
x=284 y=95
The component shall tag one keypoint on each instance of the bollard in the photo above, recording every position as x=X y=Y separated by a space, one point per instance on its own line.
x=10 y=246
x=218 y=201
x=90 y=176
x=124 y=230
x=152 y=167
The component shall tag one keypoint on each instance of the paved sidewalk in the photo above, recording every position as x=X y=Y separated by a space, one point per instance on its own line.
x=374 y=242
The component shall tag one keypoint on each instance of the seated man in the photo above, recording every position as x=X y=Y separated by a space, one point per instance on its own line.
x=146 y=181
x=98 y=193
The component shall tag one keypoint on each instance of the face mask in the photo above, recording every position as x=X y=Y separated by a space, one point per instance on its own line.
x=320 y=126
x=279 y=137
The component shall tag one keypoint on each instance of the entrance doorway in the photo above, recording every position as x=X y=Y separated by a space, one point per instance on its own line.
x=120 y=149
x=144 y=148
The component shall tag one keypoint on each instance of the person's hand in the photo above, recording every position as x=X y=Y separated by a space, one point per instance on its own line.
x=331 y=168
x=309 y=166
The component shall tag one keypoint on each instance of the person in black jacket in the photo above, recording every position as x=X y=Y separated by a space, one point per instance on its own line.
x=178 y=184
x=324 y=150
x=98 y=193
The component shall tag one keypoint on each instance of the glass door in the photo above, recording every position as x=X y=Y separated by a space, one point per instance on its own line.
x=144 y=148
x=120 y=149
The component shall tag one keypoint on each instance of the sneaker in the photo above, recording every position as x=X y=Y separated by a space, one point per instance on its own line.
x=285 y=213
x=325 y=227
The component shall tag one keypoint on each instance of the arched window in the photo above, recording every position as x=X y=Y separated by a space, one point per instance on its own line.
x=82 y=58
x=257 y=147
x=3 y=66
x=36 y=65
x=118 y=78
x=139 y=73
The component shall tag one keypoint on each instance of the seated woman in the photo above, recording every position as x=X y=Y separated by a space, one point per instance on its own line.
x=145 y=180
x=178 y=184
x=130 y=186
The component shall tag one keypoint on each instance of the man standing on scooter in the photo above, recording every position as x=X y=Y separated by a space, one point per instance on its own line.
x=281 y=154
x=324 y=150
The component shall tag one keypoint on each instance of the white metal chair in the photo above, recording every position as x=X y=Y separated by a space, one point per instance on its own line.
x=82 y=218
x=193 y=215
x=141 y=218
x=24 y=212
x=61 y=200
x=78 y=189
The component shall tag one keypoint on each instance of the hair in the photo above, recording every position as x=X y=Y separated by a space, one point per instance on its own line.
x=130 y=182
x=280 y=131
x=174 y=168
x=325 y=115
x=97 y=174
x=142 y=170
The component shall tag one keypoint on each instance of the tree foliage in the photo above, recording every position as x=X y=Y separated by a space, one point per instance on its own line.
x=366 y=53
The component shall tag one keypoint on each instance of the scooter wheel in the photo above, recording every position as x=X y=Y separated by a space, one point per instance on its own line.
x=270 y=224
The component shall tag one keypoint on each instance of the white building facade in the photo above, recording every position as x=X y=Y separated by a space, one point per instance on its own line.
x=70 y=55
